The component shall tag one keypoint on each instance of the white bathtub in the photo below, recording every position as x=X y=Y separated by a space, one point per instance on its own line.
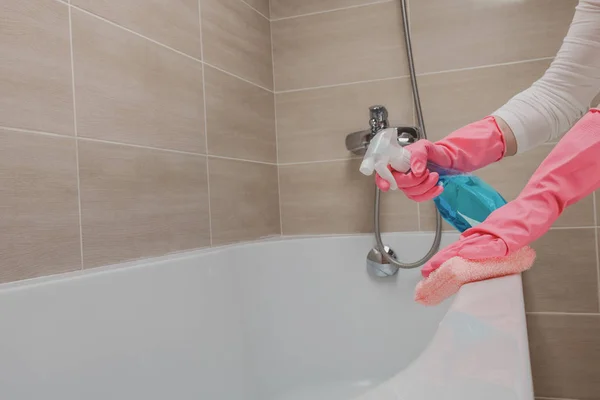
x=294 y=319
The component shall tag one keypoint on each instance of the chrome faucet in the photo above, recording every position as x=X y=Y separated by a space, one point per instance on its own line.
x=358 y=142
x=379 y=119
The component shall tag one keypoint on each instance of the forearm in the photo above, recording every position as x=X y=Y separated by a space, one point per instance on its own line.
x=569 y=173
x=556 y=101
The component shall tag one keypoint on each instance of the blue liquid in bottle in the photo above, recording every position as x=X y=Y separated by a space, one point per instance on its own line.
x=466 y=200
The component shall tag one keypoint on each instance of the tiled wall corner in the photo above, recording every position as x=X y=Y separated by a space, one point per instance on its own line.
x=244 y=200
x=237 y=38
x=112 y=114
x=240 y=118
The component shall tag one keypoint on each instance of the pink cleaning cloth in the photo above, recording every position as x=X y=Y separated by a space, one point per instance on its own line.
x=457 y=271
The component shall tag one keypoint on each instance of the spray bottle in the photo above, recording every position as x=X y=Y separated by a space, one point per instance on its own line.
x=466 y=200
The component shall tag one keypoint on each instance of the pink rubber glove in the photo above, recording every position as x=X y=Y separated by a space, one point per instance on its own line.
x=466 y=149
x=569 y=173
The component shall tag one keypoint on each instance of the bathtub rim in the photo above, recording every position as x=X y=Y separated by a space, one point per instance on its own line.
x=143 y=262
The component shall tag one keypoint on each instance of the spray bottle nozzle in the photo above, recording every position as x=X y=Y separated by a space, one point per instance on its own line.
x=385 y=150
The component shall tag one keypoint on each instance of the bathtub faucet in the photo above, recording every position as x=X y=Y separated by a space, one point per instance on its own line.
x=358 y=142
x=379 y=119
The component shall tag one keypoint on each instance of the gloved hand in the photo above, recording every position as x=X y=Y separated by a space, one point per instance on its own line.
x=466 y=149
x=569 y=173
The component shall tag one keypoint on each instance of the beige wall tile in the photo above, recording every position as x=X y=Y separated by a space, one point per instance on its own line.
x=548 y=398
x=452 y=100
x=131 y=90
x=240 y=117
x=339 y=47
x=565 y=355
x=39 y=232
x=465 y=35
x=262 y=6
x=427 y=211
x=140 y=203
x=35 y=72
x=244 y=200
x=290 y=8
x=333 y=197
x=238 y=40
x=597 y=194
x=175 y=23
x=595 y=103
x=312 y=124
x=564 y=277
x=397 y=213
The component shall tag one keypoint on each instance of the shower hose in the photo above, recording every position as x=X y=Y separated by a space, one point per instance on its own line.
x=423 y=135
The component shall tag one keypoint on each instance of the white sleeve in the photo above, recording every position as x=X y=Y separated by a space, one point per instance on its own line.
x=551 y=106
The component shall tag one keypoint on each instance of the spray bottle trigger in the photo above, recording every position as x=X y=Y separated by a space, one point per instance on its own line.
x=385 y=173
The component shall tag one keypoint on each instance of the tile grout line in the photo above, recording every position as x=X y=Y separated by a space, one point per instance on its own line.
x=240 y=159
x=504 y=64
x=79 y=138
x=330 y=11
x=407 y=76
x=261 y=14
x=75 y=131
x=210 y=231
x=33 y=132
x=202 y=61
x=237 y=76
x=320 y=161
x=594 y=314
x=341 y=84
x=596 y=240
x=276 y=128
x=135 y=33
x=139 y=146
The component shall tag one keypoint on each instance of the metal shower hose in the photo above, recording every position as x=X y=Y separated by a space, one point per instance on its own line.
x=421 y=124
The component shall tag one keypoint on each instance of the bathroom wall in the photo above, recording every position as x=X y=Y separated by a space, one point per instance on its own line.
x=133 y=129
x=335 y=58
